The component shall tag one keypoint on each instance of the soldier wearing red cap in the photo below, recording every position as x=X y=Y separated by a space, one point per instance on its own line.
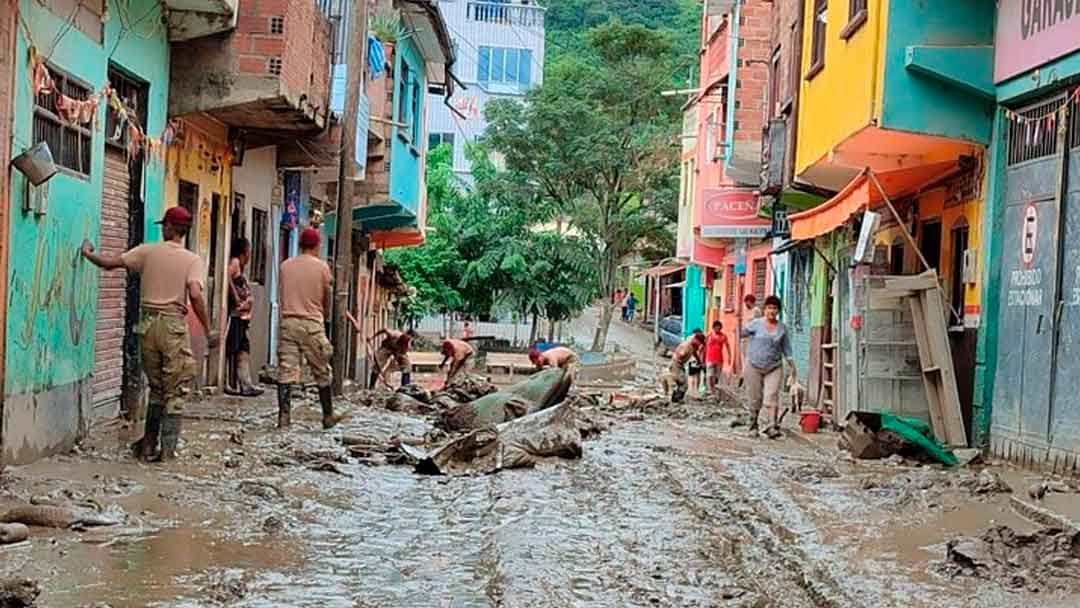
x=171 y=277
x=305 y=305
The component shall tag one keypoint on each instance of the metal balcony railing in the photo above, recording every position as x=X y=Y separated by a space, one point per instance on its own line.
x=504 y=13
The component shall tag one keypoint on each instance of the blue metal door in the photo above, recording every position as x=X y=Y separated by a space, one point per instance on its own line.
x=1065 y=410
x=1021 y=420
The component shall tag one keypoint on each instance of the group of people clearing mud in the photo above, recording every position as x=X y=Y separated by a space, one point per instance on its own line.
x=765 y=347
x=171 y=278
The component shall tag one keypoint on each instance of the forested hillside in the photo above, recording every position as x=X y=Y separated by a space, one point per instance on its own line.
x=568 y=20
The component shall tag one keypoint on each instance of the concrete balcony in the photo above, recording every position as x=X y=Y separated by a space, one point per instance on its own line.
x=269 y=76
x=506 y=13
x=190 y=19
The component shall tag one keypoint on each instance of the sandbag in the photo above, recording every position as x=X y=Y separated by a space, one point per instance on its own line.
x=540 y=391
x=522 y=442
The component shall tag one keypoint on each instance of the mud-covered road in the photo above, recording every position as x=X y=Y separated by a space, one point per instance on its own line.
x=658 y=512
x=661 y=510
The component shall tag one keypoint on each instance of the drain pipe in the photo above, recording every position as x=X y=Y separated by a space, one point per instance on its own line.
x=732 y=86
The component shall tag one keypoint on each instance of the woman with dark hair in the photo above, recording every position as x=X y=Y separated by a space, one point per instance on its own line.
x=768 y=347
x=237 y=345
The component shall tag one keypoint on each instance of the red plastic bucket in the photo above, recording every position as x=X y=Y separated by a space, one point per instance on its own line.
x=810 y=421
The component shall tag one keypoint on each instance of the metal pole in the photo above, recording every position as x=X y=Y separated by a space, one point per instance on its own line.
x=346 y=194
x=656 y=282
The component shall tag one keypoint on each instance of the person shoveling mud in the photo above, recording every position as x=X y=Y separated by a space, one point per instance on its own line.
x=1047 y=560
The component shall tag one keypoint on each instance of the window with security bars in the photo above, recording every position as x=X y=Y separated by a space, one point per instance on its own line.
x=133 y=94
x=759 y=280
x=1033 y=134
x=729 y=288
x=71 y=143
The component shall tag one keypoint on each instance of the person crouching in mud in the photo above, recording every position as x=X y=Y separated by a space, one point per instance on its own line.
x=691 y=348
x=768 y=347
x=305 y=304
x=171 y=277
x=458 y=353
x=560 y=357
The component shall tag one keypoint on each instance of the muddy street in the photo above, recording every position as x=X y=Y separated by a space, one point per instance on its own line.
x=659 y=511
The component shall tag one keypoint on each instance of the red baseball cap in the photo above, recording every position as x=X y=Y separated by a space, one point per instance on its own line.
x=177 y=216
x=309 y=238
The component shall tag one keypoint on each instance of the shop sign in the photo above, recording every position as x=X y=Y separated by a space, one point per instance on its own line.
x=1033 y=32
x=730 y=213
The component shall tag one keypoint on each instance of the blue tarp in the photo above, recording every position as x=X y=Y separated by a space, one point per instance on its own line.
x=376 y=57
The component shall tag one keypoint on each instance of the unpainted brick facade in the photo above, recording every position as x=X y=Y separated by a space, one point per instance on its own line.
x=302 y=43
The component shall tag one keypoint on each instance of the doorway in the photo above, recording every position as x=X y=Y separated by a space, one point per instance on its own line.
x=930 y=242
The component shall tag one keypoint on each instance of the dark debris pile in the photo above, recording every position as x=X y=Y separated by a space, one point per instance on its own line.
x=1047 y=560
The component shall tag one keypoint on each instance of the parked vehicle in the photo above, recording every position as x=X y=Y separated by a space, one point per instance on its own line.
x=671 y=334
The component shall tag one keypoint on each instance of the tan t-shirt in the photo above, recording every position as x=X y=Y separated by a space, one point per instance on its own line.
x=304 y=280
x=166 y=269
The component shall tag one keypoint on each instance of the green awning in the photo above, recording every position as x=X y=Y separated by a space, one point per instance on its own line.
x=385 y=216
x=794 y=200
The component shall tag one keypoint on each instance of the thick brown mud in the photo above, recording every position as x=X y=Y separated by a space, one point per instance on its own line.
x=659 y=511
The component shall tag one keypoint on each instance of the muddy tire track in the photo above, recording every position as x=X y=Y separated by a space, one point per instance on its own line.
x=761 y=548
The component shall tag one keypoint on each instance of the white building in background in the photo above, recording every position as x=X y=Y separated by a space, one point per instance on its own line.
x=500 y=53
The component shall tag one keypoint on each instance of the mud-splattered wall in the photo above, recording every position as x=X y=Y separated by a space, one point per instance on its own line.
x=52 y=291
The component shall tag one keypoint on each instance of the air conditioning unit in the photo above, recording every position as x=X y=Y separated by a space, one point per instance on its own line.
x=970 y=272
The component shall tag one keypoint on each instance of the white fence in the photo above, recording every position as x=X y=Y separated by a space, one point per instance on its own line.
x=441 y=326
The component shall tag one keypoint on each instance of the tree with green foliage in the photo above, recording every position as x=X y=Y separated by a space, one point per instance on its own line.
x=600 y=144
x=483 y=249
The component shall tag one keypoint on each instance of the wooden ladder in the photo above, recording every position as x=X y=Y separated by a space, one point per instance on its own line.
x=828 y=378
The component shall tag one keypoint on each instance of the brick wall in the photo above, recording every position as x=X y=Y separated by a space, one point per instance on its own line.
x=303 y=46
x=755 y=30
x=109 y=330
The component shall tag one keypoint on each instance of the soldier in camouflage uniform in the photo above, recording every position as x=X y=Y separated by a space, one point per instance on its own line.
x=171 y=277
x=305 y=303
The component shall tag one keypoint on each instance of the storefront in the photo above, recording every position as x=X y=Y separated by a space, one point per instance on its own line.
x=1029 y=362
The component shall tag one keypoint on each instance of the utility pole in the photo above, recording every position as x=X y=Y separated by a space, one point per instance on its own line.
x=356 y=72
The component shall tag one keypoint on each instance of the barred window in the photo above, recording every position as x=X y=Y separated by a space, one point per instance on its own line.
x=759 y=280
x=71 y=144
x=729 y=288
x=133 y=94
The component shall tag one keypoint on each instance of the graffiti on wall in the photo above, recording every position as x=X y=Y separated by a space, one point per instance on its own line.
x=51 y=307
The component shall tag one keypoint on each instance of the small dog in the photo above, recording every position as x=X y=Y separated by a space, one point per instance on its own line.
x=797 y=395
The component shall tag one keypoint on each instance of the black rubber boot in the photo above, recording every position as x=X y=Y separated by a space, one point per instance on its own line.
x=374 y=380
x=146 y=448
x=329 y=419
x=678 y=395
x=284 y=415
x=406 y=378
x=170 y=436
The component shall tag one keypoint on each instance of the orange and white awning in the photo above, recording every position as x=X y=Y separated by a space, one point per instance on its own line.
x=862 y=193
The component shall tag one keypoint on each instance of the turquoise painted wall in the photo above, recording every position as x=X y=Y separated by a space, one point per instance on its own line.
x=917 y=103
x=694 y=300
x=53 y=292
x=407 y=147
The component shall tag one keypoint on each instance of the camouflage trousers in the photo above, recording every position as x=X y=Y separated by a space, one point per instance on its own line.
x=303 y=339
x=166 y=360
